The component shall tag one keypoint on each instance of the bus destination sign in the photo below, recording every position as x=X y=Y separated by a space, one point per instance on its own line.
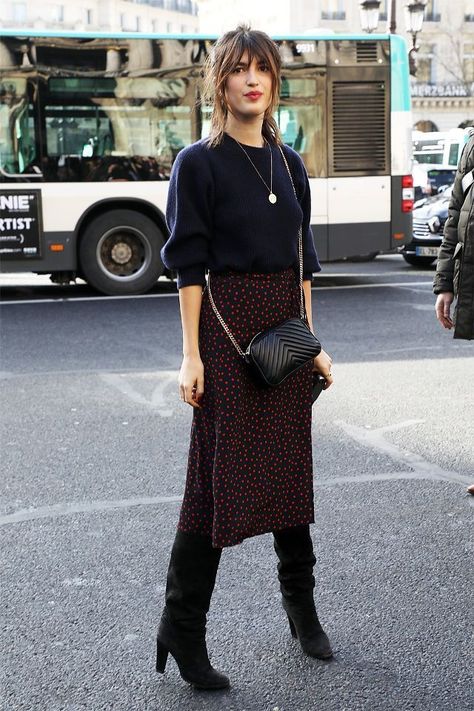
x=20 y=223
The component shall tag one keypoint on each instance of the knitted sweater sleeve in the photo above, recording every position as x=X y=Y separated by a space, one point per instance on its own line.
x=189 y=216
x=303 y=191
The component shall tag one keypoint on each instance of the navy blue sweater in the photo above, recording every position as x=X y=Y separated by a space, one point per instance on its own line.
x=220 y=218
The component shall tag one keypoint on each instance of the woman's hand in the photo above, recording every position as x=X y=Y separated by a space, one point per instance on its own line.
x=191 y=380
x=322 y=363
x=443 y=308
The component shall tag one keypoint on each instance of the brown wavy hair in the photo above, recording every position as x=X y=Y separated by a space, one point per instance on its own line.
x=223 y=59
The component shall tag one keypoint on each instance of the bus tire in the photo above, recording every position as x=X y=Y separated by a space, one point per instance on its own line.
x=418 y=261
x=119 y=253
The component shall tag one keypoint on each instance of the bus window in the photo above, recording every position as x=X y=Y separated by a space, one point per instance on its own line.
x=300 y=120
x=116 y=129
x=17 y=131
x=299 y=117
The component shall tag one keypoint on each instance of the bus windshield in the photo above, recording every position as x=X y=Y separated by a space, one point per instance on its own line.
x=430 y=151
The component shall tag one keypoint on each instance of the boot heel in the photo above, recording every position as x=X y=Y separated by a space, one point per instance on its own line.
x=292 y=627
x=161 y=657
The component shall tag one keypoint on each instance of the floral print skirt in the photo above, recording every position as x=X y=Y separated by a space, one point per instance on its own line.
x=250 y=468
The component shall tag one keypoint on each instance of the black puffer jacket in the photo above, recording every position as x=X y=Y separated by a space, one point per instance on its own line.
x=455 y=267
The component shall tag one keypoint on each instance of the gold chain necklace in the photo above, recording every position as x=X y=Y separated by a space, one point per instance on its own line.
x=271 y=195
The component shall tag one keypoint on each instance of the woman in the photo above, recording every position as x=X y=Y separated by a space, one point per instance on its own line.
x=232 y=210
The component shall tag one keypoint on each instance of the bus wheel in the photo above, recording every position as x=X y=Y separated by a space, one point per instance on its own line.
x=418 y=261
x=119 y=253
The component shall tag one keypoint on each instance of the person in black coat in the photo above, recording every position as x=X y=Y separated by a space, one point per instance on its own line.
x=236 y=203
x=454 y=278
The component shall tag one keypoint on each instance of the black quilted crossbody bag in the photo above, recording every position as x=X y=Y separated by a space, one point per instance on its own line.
x=275 y=353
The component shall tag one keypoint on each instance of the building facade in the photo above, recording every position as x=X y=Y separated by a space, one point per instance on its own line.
x=442 y=91
x=171 y=16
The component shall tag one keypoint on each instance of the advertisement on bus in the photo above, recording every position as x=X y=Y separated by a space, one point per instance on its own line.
x=20 y=224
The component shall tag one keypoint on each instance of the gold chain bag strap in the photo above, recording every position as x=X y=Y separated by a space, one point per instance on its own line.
x=275 y=353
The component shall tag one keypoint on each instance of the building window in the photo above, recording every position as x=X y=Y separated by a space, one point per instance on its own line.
x=122 y=21
x=468 y=63
x=137 y=23
x=425 y=71
x=169 y=27
x=89 y=17
x=384 y=10
x=57 y=13
x=19 y=13
x=432 y=11
x=154 y=25
x=333 y=10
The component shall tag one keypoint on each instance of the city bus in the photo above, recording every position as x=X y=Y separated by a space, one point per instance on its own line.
x=90 y=126
x=439 y=147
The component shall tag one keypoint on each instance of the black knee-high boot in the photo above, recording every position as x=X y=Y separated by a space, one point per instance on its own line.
x=294 y=548
x=182 y=631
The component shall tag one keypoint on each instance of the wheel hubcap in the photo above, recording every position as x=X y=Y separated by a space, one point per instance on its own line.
x=124 y=253
x=121 y=253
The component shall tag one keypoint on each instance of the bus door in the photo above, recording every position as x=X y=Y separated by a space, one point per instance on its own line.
x=20 y=172
x=301 y=120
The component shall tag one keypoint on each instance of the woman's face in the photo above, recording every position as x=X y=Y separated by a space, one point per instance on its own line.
x=248 y=88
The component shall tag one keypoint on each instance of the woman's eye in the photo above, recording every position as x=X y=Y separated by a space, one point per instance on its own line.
x=264 y=67
x=237 y=70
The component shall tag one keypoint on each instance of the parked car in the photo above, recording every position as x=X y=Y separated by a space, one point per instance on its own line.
x=429 y=216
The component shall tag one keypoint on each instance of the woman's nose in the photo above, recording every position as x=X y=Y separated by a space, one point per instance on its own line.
x=252 y=77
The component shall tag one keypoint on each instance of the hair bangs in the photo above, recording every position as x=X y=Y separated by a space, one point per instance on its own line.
x=225 y=57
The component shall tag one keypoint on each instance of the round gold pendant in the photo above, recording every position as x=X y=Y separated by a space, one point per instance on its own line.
x=272 y=198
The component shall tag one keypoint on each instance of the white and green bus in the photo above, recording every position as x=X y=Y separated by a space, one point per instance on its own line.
x=90 y=126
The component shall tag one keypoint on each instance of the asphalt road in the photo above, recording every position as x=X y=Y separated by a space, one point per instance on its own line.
x=94 y=446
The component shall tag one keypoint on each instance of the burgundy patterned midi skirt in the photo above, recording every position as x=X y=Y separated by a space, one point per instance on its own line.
x=250 y=468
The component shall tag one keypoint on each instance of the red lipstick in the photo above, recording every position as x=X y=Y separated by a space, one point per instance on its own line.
x=254 y=95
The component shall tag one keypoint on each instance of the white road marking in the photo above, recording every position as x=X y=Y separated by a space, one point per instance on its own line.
x=391 y=285
x=418 y=291
x=365 y=478
x=32 y=514
x=406 y=349
x=374 y=439
x=157 y=402
x=421 y=469
x=63 y=300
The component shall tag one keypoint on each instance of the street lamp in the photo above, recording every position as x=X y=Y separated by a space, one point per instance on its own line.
x=414 y=14
x=369 y=15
